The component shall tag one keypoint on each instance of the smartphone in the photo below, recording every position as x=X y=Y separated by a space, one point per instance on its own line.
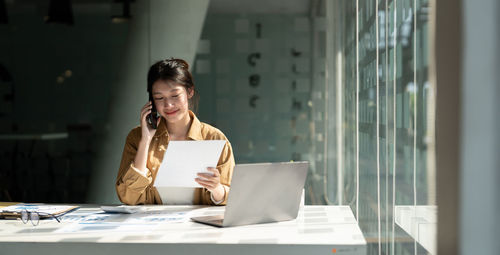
x=152 y=118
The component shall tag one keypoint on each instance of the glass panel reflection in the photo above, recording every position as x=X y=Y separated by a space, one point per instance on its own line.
x=344 y=86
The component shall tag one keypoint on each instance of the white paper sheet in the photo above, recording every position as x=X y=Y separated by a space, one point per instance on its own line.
x=147 y=219
x=159 y=216
x=184 y=159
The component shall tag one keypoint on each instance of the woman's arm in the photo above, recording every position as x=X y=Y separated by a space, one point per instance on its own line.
x=147 y=134
x=131 y=182
x=133 y=176
x=141 y=157
x=225 y=168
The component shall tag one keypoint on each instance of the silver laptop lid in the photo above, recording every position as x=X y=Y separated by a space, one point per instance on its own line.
x=265 y=192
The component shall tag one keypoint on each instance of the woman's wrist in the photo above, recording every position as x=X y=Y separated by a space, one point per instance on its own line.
x=141 y=155
x=141 y=169
x=145 y=141
x=218 y=193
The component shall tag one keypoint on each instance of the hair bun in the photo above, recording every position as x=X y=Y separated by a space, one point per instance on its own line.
x=176 y=63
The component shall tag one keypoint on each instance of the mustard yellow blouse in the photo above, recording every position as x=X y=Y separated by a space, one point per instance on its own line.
x=134 y=188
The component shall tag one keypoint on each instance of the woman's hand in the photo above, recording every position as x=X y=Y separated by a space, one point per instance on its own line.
x=147 y=131
x=140 y=160
x=211 y=181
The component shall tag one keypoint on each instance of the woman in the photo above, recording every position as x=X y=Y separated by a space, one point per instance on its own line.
x=171 y=86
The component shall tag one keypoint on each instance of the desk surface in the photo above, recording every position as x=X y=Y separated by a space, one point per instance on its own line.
x=420 y=222
x=317 y=230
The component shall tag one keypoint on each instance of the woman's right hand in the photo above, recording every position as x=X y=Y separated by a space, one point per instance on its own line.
x=147 y=131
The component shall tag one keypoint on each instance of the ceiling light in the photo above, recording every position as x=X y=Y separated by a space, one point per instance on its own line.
x=125 y=17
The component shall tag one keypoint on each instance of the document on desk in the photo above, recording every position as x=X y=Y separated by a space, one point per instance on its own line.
x=56 y=210
x=184 y=159
x=144 y=221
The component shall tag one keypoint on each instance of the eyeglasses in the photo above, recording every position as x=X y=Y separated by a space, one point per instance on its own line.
x=34 y=217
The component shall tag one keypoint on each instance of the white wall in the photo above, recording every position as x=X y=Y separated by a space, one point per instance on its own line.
x=159 y=29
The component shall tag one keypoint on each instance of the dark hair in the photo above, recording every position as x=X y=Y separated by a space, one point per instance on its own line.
x=177 y=71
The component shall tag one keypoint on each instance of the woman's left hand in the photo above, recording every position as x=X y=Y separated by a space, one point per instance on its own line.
x=211 y=181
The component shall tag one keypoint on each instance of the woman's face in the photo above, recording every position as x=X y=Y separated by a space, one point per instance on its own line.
x=171 y=100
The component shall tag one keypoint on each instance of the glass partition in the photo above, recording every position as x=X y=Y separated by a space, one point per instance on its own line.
x=343 y=85
x=379 y=61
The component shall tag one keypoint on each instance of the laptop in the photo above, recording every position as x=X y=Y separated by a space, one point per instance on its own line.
x=262 y=193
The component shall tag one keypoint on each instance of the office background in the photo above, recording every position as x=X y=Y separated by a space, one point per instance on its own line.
x=343 y=84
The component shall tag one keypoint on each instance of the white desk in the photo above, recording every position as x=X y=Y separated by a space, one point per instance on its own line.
x=420 y=222
x=317 y=230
